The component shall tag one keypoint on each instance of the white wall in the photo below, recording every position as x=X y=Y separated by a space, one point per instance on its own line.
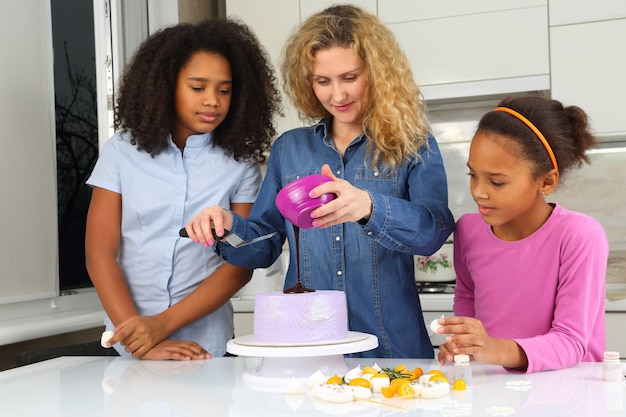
x=28 y=219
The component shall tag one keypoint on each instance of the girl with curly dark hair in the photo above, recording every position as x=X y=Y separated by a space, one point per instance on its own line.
x=194 y=119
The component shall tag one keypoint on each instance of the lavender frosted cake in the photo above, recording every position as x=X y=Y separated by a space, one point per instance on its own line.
x=300 y=318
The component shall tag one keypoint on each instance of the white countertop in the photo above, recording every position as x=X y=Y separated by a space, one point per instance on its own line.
x=105 y=386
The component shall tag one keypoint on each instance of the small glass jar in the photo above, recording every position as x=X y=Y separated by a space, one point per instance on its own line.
x=462 y=369
x=611 y=367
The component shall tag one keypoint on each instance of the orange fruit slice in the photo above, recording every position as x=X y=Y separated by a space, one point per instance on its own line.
x=399 y=381
x=459 y=385
x=439 y=378
x=435 y=372
x=406 y=390
x=389 y=392
x=360 y=382
x=369 y=370
x=418 y=372
x=400 y=368
x=335 y=379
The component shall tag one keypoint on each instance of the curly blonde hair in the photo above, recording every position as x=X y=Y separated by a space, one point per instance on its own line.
x=395 y=120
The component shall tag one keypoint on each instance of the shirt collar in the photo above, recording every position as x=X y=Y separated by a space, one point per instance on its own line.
x=199 y=141
x=323 y=126
x=195 y=141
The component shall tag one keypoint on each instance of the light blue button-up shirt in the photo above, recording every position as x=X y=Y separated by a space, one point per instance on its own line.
x=159 y=196
x=372 y=263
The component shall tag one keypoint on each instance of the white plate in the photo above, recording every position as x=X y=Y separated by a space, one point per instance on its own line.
x=355 y=342
x=248 y=340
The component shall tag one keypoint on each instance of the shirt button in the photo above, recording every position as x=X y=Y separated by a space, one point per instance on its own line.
x=337 y=238
x=369 y=233
x=376 y=173
x=338 y=172
x=339 y=273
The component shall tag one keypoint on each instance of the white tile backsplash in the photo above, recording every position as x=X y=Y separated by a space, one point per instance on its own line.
x=599 y=190
x=453 y=129
x=455 y=162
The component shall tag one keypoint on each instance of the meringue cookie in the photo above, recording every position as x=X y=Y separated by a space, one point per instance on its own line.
x=353 y=373
x=434 y=325
x=294 y=387
x=318 y=378
x=106 y=336
x=431 y=389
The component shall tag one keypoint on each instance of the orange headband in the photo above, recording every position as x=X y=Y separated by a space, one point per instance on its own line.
x=534 y=129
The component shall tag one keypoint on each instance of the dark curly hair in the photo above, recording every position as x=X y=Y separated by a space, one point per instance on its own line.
x=566 y=128
x=145 y=104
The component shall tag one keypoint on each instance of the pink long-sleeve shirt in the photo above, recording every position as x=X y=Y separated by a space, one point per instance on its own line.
x=546 y=291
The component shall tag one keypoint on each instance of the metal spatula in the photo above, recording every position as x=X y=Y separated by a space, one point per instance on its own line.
x=234 y=240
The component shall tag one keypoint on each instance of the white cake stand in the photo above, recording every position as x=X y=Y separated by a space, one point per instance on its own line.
x=282 y=364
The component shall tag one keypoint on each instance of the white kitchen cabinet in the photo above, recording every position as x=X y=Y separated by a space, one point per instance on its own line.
x=393 y=11
x=272 y=23
x=456 y=48
x=615 y=335
x=588 y=63
x=309 y=7
x=478 y=54
x=566 y=12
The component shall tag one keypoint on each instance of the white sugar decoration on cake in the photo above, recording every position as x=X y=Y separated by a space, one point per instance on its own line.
x=300 y=318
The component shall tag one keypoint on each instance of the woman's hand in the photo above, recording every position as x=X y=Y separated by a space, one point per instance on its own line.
x=350 y=205
x=200 y=227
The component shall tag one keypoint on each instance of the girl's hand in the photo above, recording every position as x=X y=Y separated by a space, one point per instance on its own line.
x=200 y=227
x=468 y=336
x=447 y=350
x=445 y=354
x=350 y=205
x=178 y=350
x=139 y=334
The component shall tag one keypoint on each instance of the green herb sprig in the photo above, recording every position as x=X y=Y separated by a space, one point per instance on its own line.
x=393 y=374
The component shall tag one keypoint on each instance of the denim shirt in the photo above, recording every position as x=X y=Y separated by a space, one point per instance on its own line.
x=371 y=263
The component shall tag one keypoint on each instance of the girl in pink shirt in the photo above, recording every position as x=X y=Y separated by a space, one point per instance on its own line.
x=530 y=286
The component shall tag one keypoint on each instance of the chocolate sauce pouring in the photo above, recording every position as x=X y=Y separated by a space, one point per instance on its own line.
x=298 y=288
